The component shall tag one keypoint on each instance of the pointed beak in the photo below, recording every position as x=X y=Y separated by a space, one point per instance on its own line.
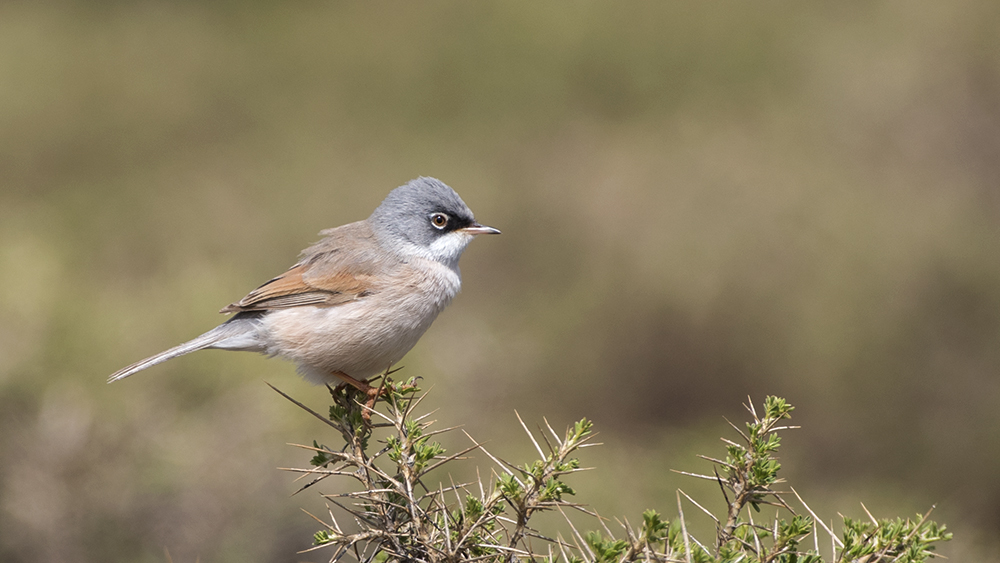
x=477 y=229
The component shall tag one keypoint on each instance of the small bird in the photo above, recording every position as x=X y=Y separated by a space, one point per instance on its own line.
x=359 y=299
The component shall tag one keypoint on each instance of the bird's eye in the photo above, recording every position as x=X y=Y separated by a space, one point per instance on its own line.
x=439 y=220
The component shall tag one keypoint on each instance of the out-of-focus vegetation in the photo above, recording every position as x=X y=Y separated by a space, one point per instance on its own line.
x=699 y=201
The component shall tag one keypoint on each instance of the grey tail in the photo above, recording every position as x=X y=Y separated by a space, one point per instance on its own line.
x=230 y=335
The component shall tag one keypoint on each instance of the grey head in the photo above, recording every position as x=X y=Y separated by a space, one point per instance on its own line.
x=425 y=217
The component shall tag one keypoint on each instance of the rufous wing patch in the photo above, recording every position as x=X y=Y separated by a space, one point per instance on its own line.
x=296 y=288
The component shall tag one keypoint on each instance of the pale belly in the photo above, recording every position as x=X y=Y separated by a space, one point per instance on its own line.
x=361 y=338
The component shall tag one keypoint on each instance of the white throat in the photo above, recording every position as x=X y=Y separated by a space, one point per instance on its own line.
x=446 y=249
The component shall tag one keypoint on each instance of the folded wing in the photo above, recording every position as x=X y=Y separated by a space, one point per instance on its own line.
x=340 y=268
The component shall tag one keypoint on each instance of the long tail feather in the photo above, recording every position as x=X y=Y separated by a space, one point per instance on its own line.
x=199 y=343
x=238 y=333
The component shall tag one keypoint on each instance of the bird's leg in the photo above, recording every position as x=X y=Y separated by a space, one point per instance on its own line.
x=373 y=393
x=348 y=380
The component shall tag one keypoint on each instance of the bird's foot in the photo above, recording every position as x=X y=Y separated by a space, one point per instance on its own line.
x=373 y=394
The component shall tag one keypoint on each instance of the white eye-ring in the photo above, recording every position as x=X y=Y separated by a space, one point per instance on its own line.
x=439 y=220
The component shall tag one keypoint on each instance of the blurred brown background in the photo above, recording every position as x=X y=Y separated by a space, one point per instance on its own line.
x=700 y=202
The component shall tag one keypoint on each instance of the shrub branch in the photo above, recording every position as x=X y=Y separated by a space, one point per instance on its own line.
x=398 y=517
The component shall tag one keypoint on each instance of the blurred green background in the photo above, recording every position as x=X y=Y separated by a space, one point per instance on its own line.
x=700 y=202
